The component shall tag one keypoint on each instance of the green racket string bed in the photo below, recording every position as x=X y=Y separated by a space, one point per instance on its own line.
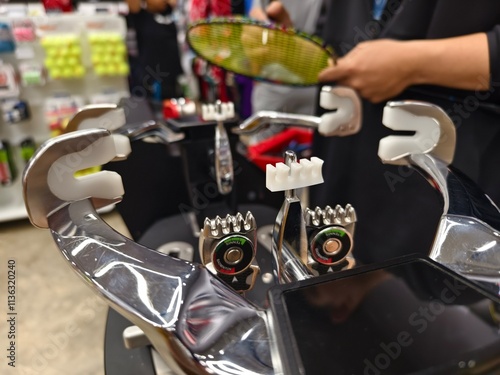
x=262 y=51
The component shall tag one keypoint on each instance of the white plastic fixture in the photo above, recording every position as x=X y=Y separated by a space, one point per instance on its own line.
x=395 y=148
x=104 y=184
x=346 y=119
x=209 y=112
x=298 y=175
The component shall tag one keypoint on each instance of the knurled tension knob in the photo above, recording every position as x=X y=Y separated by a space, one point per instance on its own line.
x=228 y=248
x=330 y=233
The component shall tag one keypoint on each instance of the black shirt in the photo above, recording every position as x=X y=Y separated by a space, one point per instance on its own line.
x=157 y=42
x=349 y=22
x=398 y=211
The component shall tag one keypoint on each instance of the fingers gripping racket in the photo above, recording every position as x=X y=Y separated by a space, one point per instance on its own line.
x=262 y=51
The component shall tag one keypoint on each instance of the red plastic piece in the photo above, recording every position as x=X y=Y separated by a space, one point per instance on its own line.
x=270 y=151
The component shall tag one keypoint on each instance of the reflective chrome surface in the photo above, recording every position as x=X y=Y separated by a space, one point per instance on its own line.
x=263 y=118
x=467 y=236
x=290 y=238
x=40 y=201
x=435 y=133
x=467 y=239
x=96 y=116
x=343 y=116
x=197 y=323
x=105 y=116
x=468 y=246
x=224 y=173
x=150 y=129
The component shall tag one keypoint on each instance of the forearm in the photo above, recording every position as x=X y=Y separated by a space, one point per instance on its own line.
x=257 y=11
x=460 y=62
x=134 y=6
x=258 y=14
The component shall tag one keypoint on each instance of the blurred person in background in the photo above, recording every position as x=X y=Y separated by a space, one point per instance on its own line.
x=159 y=65
x=444 y=52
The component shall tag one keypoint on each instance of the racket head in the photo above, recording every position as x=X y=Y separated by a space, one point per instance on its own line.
x=262 y=51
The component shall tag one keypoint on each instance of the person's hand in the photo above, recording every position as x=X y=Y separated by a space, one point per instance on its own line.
x=277 y=12
x=378 y=70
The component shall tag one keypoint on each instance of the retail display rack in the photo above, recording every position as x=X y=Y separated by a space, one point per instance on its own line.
x=50 y=66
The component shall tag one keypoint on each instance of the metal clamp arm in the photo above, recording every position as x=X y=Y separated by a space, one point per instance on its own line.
x=468 y=236
x=343 y=119
x=112 y=118
x=196 y=322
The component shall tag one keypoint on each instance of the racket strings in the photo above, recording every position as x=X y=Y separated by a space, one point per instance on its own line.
x=261 y=51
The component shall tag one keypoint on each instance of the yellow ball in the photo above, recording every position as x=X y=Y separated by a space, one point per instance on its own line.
x=100 y=70
x=94 y=38
x=120 y=49
x=117 y=59
x=110 y=48
x=79 y=71
x=75 y=50
x=123 y=69
x=72 y=61
x=64 y=51
x=98 y=49
x=106 y=58
x=109 y=69
x=71 y=40
x=57 y=40
x=67 y=72
x=51 y=51
x=49 y=62
x=96 y=59
x=55 y=73
x=60 y=62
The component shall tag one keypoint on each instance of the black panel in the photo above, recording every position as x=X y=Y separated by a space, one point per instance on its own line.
x=407 y=318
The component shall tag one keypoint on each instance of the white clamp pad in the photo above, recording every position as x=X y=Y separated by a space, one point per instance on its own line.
x=305 y=173
x=209 y=112
x=395 y=148
x=105 y=184
x=346 y=120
